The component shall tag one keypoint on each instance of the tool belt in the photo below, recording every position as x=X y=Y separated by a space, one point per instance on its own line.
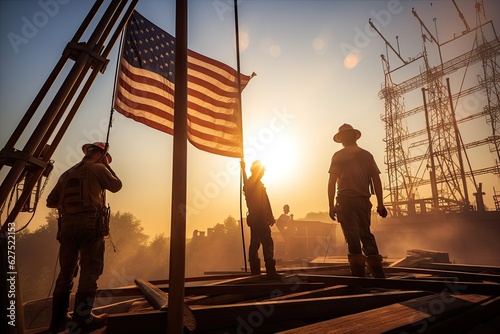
x=103 y=215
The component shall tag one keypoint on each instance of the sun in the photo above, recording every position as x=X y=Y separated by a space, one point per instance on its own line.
x=279 y=159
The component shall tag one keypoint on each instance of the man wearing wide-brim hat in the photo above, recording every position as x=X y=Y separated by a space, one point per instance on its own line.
x=79 y=197
x=352 y=172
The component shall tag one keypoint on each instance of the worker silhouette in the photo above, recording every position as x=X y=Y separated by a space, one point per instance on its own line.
x=283 y=221
x=352 y=172
x=260 y=219
x=79 y=197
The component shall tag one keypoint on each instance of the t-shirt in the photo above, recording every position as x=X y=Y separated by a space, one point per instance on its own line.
x=354 y=168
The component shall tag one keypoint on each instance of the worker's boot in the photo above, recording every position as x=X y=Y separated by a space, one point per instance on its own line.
x=83 y=317
x=357 y=264
x=374 y=264
x=60 y=317
x=255 y=266
x=271 y=273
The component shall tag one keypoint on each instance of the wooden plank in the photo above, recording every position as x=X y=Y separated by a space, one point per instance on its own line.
x=463 y=276
x=410 y=261
x=203 y=278
x=483 y=318
x=143 y=322
x=408 y=284
x=436 y=256
x=218 y=299
x=494 y=270
x=38 y=312
x=255 y=316
x=156 y=297
x=160 y=301
x=336 y=290
x=244 y=289
x=412 y=316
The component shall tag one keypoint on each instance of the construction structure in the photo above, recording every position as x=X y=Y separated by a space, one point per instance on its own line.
x=430 y=165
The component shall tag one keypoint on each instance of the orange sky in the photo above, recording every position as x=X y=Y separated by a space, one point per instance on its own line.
x=317 y=64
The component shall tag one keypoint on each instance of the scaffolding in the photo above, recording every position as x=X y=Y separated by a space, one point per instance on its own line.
x=434 y=158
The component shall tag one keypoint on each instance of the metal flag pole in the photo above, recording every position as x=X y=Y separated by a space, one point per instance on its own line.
x=240 y=112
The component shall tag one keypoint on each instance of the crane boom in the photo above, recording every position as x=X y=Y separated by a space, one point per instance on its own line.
x=31 y=163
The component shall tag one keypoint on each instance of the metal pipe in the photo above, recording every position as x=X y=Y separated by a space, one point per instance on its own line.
x=459 y=147
x=240 y=125
x=50 y=80
x=54 y=111
x=431 y=153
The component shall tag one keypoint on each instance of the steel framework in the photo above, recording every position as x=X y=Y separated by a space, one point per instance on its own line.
x=436 y=156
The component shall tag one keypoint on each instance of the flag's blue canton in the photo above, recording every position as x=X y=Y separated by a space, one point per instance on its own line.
x=149 y=48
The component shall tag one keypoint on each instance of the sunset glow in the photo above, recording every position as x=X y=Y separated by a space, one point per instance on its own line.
x=317 y=64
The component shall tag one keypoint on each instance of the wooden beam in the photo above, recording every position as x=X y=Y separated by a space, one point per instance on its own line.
x=408 y=284
x=156 y=297
x=259 y=315
x=177 y=263
x=159 y=300
x=336 y=290
x=483 y=316
x=246 y=289
x=463 y=276
x=495 y=270
x=412 y=316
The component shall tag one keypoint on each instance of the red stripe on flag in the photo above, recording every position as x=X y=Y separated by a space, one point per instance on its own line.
x=145 y=90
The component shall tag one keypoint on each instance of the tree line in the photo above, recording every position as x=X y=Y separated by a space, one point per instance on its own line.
x=130 y=254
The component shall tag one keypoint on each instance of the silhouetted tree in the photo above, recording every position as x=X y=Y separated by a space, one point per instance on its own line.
x=37 y=254
x=128 y=254
x=36 y=258
x=220 y=250
x=125 y=249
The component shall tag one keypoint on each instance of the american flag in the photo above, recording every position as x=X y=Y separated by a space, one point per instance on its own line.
x=145 y=89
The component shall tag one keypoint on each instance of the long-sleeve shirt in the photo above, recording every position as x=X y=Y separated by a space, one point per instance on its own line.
x=82 y=187
x=257 y=200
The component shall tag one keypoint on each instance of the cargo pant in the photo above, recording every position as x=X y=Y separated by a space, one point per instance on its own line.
x=261 y=234
x=80 y=242
x=353 y=214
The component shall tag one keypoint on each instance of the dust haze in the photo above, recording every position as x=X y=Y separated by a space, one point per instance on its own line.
x=132 y=254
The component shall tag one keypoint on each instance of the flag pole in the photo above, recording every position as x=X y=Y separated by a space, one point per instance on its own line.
x=179 y=176
x=240 y=112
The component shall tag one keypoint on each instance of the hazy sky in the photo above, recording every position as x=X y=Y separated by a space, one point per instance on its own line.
x=318 y=66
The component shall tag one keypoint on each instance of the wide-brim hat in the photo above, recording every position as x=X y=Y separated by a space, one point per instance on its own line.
x=343 y=129
x=99 y=145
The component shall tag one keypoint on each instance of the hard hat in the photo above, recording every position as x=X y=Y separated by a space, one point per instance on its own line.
x=99 y=145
